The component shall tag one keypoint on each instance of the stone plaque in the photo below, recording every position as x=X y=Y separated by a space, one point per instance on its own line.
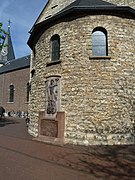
x=52 y=96
x=49 y=128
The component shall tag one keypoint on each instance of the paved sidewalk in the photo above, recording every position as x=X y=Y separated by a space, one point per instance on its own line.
x=94 y=162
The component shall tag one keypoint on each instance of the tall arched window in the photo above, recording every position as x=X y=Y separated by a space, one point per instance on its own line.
x=11 y=95
x=28 y=91
x=99 y=42
x=55 y=42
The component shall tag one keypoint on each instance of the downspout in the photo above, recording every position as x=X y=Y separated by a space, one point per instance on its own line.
x=3 y=84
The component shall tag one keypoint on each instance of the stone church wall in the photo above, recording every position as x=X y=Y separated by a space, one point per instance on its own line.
x=97 y=94
x=130 y=3
x=53 y=7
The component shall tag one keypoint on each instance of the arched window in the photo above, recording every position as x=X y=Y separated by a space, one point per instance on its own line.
x=55 y=42
x=99 y=42
x=11 y=95
x=28 y=90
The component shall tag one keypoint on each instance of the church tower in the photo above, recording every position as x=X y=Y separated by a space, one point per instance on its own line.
x=7 y=52
x=130 y=3
x=52 y=8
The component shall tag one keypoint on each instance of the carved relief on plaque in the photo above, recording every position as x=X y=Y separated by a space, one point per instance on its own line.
x=52 y=96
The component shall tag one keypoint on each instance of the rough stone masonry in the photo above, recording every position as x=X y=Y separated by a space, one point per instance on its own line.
x=97 y=94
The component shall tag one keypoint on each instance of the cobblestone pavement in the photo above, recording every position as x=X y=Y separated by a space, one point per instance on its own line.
x=23 y=158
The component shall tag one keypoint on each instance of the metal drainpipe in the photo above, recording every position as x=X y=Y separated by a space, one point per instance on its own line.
x=3 y=84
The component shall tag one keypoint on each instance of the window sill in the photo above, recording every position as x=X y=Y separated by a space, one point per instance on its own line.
x=100 y=57
x=10 y=102
x=53 y=63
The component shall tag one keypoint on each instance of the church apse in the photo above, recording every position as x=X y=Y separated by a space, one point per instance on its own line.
x=52 y=121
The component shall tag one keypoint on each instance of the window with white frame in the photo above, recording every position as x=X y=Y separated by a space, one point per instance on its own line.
x=99 y=42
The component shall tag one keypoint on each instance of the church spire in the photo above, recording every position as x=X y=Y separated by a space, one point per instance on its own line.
x=9 y=23
x=7 y=52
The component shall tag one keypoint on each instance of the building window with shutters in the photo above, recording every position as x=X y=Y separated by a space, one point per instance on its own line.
x=99 y=42
x=55 y=43
x=11 y=95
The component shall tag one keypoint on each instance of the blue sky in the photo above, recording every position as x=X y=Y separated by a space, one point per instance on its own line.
x=23 y=14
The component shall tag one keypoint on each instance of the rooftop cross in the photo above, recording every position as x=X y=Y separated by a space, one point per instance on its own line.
x=9 y=23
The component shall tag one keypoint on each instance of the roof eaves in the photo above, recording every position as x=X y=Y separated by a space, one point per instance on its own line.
x=16 y=69
x=92 y=9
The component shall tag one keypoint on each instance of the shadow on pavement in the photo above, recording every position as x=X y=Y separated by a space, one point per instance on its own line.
x=105 y=162
x=5 y=122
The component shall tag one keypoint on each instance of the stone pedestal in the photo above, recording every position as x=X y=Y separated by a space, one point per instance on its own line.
x=51 y=130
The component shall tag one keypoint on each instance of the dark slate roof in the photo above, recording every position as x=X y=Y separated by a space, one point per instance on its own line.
x=80 y=7
x=89 y=3
x=94 y=6
x=16 y=64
